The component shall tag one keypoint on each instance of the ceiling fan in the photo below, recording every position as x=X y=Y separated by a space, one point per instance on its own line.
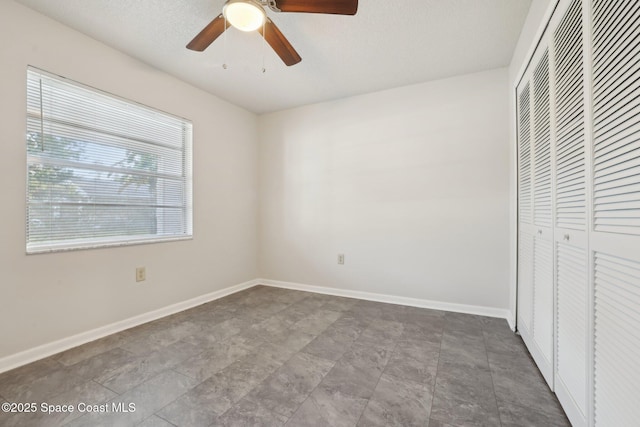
x=250 y=15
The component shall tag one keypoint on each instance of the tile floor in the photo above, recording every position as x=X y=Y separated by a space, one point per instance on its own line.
x=271 y=357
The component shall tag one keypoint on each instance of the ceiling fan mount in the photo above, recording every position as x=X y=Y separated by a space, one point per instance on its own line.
x=250 y=15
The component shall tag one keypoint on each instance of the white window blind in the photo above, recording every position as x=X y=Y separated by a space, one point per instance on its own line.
x=102 y=170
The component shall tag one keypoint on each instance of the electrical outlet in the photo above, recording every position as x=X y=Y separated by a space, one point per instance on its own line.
x=141 y=274
x=340 y=258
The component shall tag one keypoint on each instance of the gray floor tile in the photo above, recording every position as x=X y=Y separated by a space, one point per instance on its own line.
x=347 y=380
x=197 y=407
x=450 y=409
x=521 y=361
x=464 y=382
x=296 y=340
x=464 y=394
x=293 y=313
x=55 y=382
x=513 y=415
x=420 y=316
x=438 y=423
x=265 y=309
x=499 y=342
x=382 y=333
x=430 y=331
x=291 y=384
x=329 y=407
x=265 y=354
x=310 y=305
x=350 y=324
x=102 y=363
x=282 y=351
x=273 y=329
x=88 y=392
x=219 y=393
x=289 y=296
x=398 y=402
x=516 y=385
x=336 y=339
x=143 y=368
x=414 y=361
x=367 y=358
x=210 y=318
x=462 y=349
x=208 y=335
x=339 y=304
x=155 y=421
x=19 y=419
x=83 y=352
x=147 y=398
x=250 y=413
x=356 y=374
x=216 y=357
x=495 y=324
x=161 y=338
x=15 y=381
x=317 y=322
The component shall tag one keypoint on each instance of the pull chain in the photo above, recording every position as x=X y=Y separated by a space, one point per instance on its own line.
x=264 y=41
x=224 y=59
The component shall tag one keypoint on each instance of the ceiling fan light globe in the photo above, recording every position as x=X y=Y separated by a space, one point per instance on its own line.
x=244 y=15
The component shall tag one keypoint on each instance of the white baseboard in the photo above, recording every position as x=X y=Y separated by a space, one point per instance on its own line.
x=571 y=408
x=15 y=360
x=511 y=320
x=414 y=302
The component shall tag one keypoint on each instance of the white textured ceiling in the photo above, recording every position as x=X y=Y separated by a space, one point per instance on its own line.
x=388 y=43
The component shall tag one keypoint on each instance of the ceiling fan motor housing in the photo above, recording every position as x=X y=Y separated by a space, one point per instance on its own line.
x=272 y=5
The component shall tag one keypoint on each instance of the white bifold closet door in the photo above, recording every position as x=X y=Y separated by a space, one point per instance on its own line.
x=570 y=232
x=615 y=240
x=543 y=318
x=525 y=215
x=578 y=118
x=535 y=259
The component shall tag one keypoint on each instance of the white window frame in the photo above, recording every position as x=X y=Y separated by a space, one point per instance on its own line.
x=121 y=116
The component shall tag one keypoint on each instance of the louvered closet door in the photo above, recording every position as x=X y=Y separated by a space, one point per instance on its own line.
x=543 y=313
x=615 y=240
x=570 y=233
x=525 y=214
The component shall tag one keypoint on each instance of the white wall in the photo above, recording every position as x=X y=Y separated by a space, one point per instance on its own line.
x=411 y=184
x=47 y=297
x=534 y=25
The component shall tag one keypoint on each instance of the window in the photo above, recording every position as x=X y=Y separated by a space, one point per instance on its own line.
x=102 y=171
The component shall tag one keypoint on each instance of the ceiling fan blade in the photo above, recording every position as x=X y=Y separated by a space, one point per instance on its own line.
x=208 y=34
x=335 y=7
x=279 y=43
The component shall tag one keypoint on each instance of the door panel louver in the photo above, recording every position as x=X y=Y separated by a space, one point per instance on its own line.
x=543 y=297
x=616 y=110
x=525 y=281
x=524 y=155
x=572 y=324
x=570 y=150
x=617 y=340
x=542 y=144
